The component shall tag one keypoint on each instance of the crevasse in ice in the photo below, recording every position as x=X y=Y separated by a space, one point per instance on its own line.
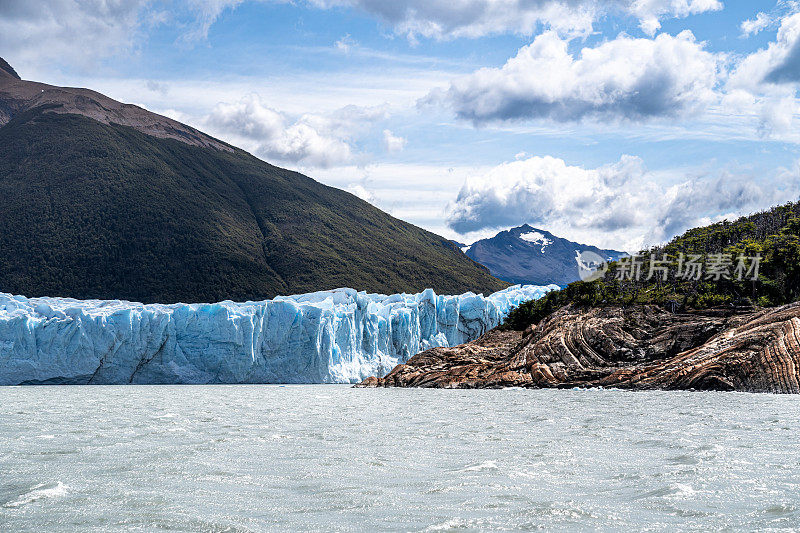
x=339 y=336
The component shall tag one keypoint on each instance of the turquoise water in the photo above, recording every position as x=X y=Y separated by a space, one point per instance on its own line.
x=332 y=458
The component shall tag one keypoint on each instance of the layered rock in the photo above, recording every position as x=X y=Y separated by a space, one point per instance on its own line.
x=644 y=347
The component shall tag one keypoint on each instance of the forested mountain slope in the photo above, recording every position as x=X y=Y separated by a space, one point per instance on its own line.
x=105 y=200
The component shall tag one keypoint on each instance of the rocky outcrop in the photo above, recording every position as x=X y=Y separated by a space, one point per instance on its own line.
x=644 y=347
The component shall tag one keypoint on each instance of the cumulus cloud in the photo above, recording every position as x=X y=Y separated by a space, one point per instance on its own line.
x=701 y=200
x=778 y=63
x=624 y=78
x=538 y=190
x=765 y=82
x=310 y=140
x=783 y=56
x=753 y=26
x=618 y=204
x=393 y=143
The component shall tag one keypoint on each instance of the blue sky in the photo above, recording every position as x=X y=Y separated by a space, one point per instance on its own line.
x=619 y=123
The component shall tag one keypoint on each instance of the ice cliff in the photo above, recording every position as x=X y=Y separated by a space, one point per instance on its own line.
x=339 y=336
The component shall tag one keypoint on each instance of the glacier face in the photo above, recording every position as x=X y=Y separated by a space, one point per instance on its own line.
x=339 y=336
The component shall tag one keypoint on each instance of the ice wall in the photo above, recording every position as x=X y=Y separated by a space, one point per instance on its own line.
x=339 y=336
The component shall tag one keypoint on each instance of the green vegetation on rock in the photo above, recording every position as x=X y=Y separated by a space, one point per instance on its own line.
x=774 y=235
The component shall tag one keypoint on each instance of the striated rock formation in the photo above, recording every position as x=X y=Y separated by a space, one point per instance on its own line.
x=644 y=347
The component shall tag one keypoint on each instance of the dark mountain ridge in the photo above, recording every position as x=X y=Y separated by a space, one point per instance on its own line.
x=18 y=96
x=7 y=70
x=109 y=201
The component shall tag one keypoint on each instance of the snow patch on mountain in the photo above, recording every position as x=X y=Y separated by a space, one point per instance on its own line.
x=534 y=237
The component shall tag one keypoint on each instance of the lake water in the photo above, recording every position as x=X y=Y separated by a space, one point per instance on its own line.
x=255 y=458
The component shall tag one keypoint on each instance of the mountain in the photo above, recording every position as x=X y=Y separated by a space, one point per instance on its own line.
x=530 y=255
x=104 y=200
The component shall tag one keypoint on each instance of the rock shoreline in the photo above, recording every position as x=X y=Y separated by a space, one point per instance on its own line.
x=636 y=348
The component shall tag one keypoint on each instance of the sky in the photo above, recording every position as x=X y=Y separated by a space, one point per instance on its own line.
x=619 y=123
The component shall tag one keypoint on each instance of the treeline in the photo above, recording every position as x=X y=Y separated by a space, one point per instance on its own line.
x=751 y=261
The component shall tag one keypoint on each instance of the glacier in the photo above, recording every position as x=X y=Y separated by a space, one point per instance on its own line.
x=338 y=336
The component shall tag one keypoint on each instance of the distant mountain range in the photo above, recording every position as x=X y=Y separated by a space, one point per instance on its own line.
x=107 y=200
x=530 y=255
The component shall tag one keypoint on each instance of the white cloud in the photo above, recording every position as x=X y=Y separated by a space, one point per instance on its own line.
x=70 y=31
x=753 y=26
x=766 y=81
x=78 y=33
x=777 y=64
x=361 y=191
x=392 y=143
x=311 y=140
x=650 y=12
x=418 y=193
x=308 y=140
x=345 y=44
x=783 y=56
x=446 y=19
x=624 y=78
x=620 y=205
x=206 y=13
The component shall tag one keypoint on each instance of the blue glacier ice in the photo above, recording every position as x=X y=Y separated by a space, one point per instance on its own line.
x=339 y=336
